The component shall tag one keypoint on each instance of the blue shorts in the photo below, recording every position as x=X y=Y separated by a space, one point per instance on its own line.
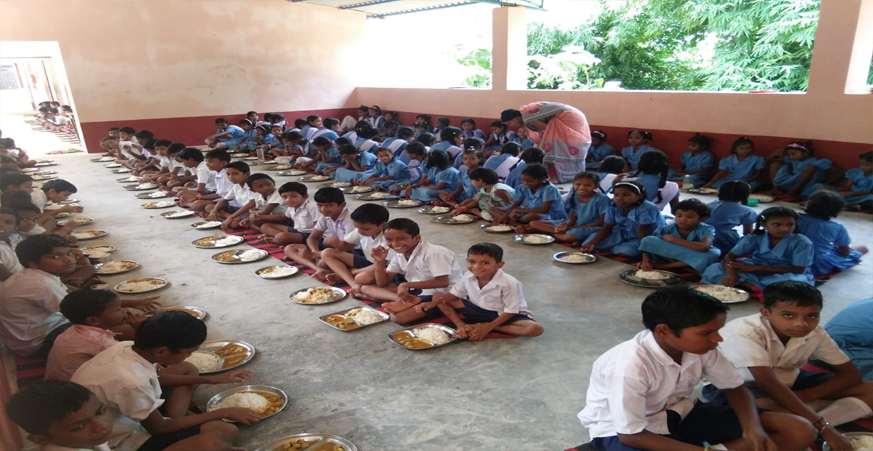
x=359 y=261
x=806 y=379
x=305 y=235
x=474 y=314
x=230 y=209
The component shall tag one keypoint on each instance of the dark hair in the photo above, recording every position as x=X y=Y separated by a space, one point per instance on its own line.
x=655 y=162
x=342 y=142
x=299 y=122
x=773 y=212
x=114 y=129
x=825 y=204
x=312 y=118
x=800 y=294
x=593 y=176
x=367 y=133
x=490 y=249
x=508 y=115
x=637 y=186
x=426 y=118
x=735 y=191
x=149 y=144
x=701 y=140
x=415 y=148
x=13 y=179
x=322 y=141
x=680 y=308
x=537 y=171
x=221 y=120
x=10 y=212
x=474 y=143
x=246 y=122
x=329 y=195
x=370 y=214
x=349 y=149
x=80 y=305
x=277 y=117
x=240 y=166
x=174 y=330
x=268 y=116
x=191 y=153
x=37 y=407
x=442 y=121
x=128 y=130
x=251 y=113
x=22 y=205
x=379 y=149
x=163 y=143
x=330 y=122
x=646 y=135
x=450 y=133
x=533 y=155
x=363 y=108
x=421 y=125
x=144 y=135
x=32 y=248
x=426 y=138
x=108 y=138
x=613 y=164
x=16 y=199
x=255 y=177
x=511 y=148
x=866 y=156
x=694 y=205
x=263 y=128
x=405 y=224
x=295 y=187
x=468 y=120
x=272 y=126
x=486 y=175
x=175 y=148
x=438 y=159
x=375 y=107
x=405 y=132
x=498 y=124
x=59 y=185
x=803 y=146
x=600 y=134
x=218 y=154
x=741 y=141
x=294 y=137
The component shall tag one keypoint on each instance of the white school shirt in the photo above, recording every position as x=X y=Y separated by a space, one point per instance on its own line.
x=239 y=195
x=38 y=197
x=341 y=226
x=128 y=385
x=167 y=162
x=305 y=216
x=750 y=341
x=275 y=198
x=222 y=183
x=502 y=294
x=427 y=262
x=634 y=384
x=205 y=176
x=8 y=259
x=368 y=243
x=30 y=309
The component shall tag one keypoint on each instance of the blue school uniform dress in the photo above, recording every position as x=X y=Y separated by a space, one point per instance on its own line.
x=861 y=183
x=598 y=154
x=725 y=217
x=514 y=177
x=334 y=158
x=450 y=176
x=787 y=176
x=468 y=191
x=656 y=246
x=633 y=158
x=703 y=160
x=650 y=182
x=545 y=193
x=826 y=235
x=236 y=135
x=852 y=329
x=365 y=159
x=501 y=139
x=474 y=134
x=586 y=213
x=527 y=143
x=396 y=169
x=494 y=162
x=623 y=239
x=793 y=250
x=740 y=170
x=376 y=122
x=269 y=139
x=248 y=141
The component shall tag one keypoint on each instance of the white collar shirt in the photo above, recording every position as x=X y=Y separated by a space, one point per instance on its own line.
x=502 y=294
x=222 y=183
x=427 y=262
x=205 y=176
x=8 y=259
x=305 y=216
x=239 y=195
x=340 y=227
x=30 y=309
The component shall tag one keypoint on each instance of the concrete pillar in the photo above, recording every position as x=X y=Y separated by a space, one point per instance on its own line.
x=839 y=26
x=509 y=49
x=862 y=53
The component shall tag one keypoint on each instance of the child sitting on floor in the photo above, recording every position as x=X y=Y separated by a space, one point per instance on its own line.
x=598 y=150
x=234 y=205
x=500 y=135
x=326 y=154
x=612 y=170
x=424 y=268
x=9 y=263
x=741 y=166
x=226 y=137
x=175 y=174
x=653 y=167
x=465 y=190
x=302 y=212
x=468 y=125
x=56 y=191
x=626 y=223
x=778 y=253
x=685 y=243
x=491 y=193
x=268 y=202
x=856 y=186
x=830 y=240
x=208 y=173
x=697 y=162
x=489 y=299
x=770 y=348
x=531 y=155
x=796 y=171
x=439 y=176
x=125 y=379
x=587 y=209
x=355 y=266
x=536 y=199
x=194 y=164
x=387 y=173
x=640 y=393
x=729 y=212
x=357 y=165
x=23 y=183
x=638 y=141
x=416 y=153
x=505 y=160
x=334 y=224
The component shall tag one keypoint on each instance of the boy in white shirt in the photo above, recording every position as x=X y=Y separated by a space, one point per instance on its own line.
x=489 y=299
x=335 y=223
x=769 y=349
x=352 y=264
x=160 y=164
x=639 y=395
x=295 y=226
x=207 y=172
x=235 y=205
x=176 y=174
x=417 y=271
x=9 y=263
x=269 y=206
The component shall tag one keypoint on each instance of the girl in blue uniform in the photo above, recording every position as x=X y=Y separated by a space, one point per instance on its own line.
x=531 y=155
x=503 y=161
x=442 y=123
x=452 y=138
x=741 y=165
x=470 y=130
x=499 y=136
x=250 y=138
x=729 y=212
x=472 y=160
x=697 y=162
x=652 y=173
x=638 y=141
x=439 y=176
x=798 y=170
x=598 y=151
x=829 y=238
x=524 y=139
x=685 y=243
x=630 y=219
x=374 y=117
x=491 y=193
x=535 y=199
x=778 y=253
x=357 y=165
x=325 y=156
x=296 y=145
x=856 y=187
x=388 y=172
x=587 y=209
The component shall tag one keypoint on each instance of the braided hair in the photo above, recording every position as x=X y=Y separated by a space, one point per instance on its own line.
x=774 y=212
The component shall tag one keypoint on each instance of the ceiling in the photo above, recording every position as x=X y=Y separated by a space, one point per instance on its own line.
x=385 y=8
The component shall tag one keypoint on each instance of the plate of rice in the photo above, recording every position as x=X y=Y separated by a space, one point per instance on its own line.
x=309 y=441
x=89 y=234
x=141 y=186
x=264 y=400
x=110 y=165
x=451 y=219
x=292 y=172
x=433 y=210
x=861 y=441
x=403 y=203
x=575 y=258
x=726 y=295
x=115 y=267
x=205 y=225
x=143 y=285
x=240 y=256
x=159 y=204
x=353 y=319
x=336 y=185
x=231 y=353
x=318 y=295
x=276 y=272
x=154 y=195
x=77 y=221
x=491 y=228
x=178 y=214
x=651 y=279
x=314 y=178
x=534 y=239
x=217 y=241
x=762 y=198
x=120 y=171
x=97 y=250
x=131 y=179
x=423 y=336
x=374 y=195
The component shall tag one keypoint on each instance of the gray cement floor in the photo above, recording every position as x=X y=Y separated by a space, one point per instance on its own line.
x=519 y=394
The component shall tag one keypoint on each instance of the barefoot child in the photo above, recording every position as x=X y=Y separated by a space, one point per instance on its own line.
x=208 y=173
x=231 y=208
x=9 y=263
x=302 y=213
x=355 y=266
x=587 y=209
x=797 y=172
x=830 y=239
x=387 y=173
x=489 y=299
x=471 y=160
x=536 y=199
x=334 y=224
x=268 y=202
x=729 y=212
x=741 y=166
x=491 y=193
x=685 y=243
x=626 y=223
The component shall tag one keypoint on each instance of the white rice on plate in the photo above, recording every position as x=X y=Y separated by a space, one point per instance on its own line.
x=537 y=239
x=251 y=255
x=500 y=228
x=408 y=202
x=650 y=275
x=861 y=443
x=249 y=400
x=225 y=241
x=575 y=258
x=209 y=225
x=723 y=293
x=433 y=335
x=364 y=316
x=315 y=296
x=462 y=218
x=442 y=210
x=279 y=272
x=205 y=361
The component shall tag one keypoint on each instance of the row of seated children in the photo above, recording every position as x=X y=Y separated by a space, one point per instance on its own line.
x=640 y=392
x=55 y=117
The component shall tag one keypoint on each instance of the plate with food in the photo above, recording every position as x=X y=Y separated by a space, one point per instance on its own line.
x=43 y=164
x=423 y=336
x=451 y=219
x=196 y=312
x=264 y=400
x=358 y=189
x=336 y=185
x=115 y=267
x=85 y=235
x=120 y=171
x=271 y=162
x=143 y=285
x=99 y=286
x=861 y=441
x=217 y=241
x=534 y=239
x=102 y=160
x=130 y=179
x=141 y=186
x=374 y=195
x=77 y=221
x=310 y=442
x=403 y=203
x=575 y=258
x=726 y=295
x=178 y=214
x=703 y=190
x=651 y=279
x=216 y=356
x=158 y=204
x=42 y=178
x=276 y=272
x=491 y=228
x=292 y=172
x=318 y=295
x=239 y=155
x=240 y=256
x=762 y=198
x=205 y=225
x=278 y=167
x=30 y=170
x=314 y=178
x=110 y=165
x=250 y=158
x=355 y=318
x=97 y=250
x=434 y=210
x=154 y=195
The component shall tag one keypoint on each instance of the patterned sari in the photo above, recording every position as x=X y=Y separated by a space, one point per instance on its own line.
x=565 y=139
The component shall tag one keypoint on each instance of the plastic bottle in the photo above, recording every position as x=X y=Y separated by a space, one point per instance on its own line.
x=686 y=183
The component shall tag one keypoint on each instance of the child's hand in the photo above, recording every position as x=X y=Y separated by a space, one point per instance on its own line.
x=587 y=247
x=409 y=299
x=244 y=222
x=226 y=224
x=403 y=288
x=135 y=319
x=240 y=415
x=561 y=228
x=212 y=216
x=233 y=377
x=646 y=264
x=741 y=266
x=458 y=210
x=146 y=304
x=729 y=280
x=379 y=254
x=835 y=439
x=669 y=238
x=478 y=332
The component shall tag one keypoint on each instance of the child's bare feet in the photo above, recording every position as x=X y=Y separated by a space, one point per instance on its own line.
x=322 y=275
x=462 y=331
x=522 y=229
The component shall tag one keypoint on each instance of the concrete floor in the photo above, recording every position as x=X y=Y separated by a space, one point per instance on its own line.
x=519 y=394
